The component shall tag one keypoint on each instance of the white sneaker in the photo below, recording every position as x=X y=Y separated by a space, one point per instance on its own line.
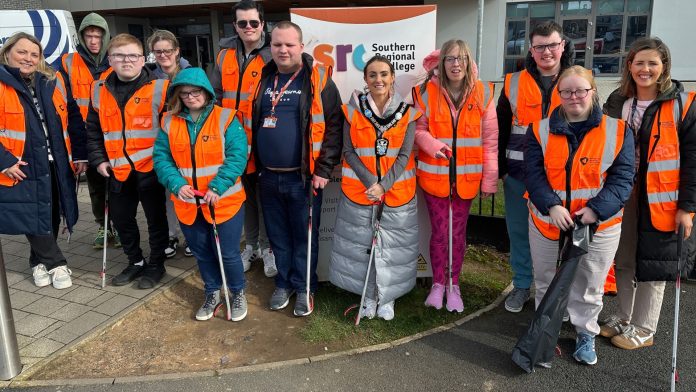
x=269 y=266
x=61 y=277
x=369 y=308
x=41 y=277
x=247 y=255
x=386 y=311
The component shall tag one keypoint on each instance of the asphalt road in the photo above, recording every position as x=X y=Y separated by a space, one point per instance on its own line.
x=475 y=357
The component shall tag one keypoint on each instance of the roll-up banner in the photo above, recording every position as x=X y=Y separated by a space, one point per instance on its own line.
x=345 y=39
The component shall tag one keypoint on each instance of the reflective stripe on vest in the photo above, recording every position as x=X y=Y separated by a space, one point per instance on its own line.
x=60 y=101
x=433 y=173
x=589 y=168
x=12 y=126
x=80 y=79
x=208 y=156
x=663 y=172
x=363 y=137
x=129 y=145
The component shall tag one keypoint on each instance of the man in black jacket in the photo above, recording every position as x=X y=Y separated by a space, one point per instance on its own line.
x=122 y=124
x=297 y=138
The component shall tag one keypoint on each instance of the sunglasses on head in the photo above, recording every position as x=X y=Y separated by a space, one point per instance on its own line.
x=242 y=24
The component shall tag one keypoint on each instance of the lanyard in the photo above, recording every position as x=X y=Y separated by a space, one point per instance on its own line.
x=634 y=106
x=275 y=97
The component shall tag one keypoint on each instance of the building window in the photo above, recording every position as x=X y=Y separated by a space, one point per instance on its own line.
x=601 y=31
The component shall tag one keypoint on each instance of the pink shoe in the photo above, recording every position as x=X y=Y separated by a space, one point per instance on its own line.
x=434 y=299
x=454 y=300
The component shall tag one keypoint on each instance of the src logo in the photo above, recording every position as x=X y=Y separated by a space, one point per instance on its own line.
x=584 y=160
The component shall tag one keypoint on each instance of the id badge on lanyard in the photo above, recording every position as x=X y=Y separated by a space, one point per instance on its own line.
x=271 y=120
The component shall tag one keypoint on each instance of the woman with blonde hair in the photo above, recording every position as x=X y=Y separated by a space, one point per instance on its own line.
x=42 y=149
x=663 y=118
x=460 y=122
x=579 y=166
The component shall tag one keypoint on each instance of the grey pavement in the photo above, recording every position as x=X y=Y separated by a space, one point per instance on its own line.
x=474 y=356
x=48 y=321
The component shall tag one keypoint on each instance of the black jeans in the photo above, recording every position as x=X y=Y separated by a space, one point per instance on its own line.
x=44 y=248
x=124 y=197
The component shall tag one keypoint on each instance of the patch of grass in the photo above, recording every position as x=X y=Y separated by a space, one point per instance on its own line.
x=484 y=275
x=491 y=206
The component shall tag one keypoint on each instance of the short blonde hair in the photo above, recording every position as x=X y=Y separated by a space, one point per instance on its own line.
x=577 y=70
x=42 y=67
x=123 y=40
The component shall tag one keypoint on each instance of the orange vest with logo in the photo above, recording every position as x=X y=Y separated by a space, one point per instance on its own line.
x=13 y=122
x=317 y=124
x=80 y=79
x=363 y=136
x=464 y=138
x=238 y=88
x=662 y=180
x=200 y=166
x=129 y=134
x=595 y=154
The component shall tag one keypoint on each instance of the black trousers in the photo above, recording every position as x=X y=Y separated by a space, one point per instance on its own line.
x=44 y=248
x=96 y=184
x=124 y=197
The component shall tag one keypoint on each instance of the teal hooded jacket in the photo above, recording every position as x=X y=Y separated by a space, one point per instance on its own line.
x=235 y=141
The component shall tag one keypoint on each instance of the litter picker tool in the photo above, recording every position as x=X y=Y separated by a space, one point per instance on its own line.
x=375 y=235
x=452 y=182
x=102 y=274
x=312 y=193
x=677 y=285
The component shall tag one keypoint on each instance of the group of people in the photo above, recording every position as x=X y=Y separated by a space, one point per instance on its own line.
x=261 y=137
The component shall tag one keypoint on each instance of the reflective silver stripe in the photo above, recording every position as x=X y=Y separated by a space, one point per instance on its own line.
x=247 y=122
x=351 y=112
x=617 y=215
x=12 y=134
x=61 y=88
x=486 y=94
x=407 y=174
x=463 y=141
x=96 y=92
x=519 y=130
x=317 y=118
x=322 y=72
x=158 y=95
x=142 y=154
x=469 y=169
x=514 y=93
x=233 y=189
x=82 y=101
x=587 y=193
x=663 y=197
x=203 y=171
x=140 y=133
x=675 y=108
x=221 y=58
x=69 y=63
x=370 y=152
x=229 y=94
x=347 y=172
x=222 y=130
x=166 y=122
x=433 y=169
x=544 y=134
x=425 y=96
x=244 y=96
x=316 y=146
x=538 y=214
x=659 y=166
x=610 y=143
x=514 y=155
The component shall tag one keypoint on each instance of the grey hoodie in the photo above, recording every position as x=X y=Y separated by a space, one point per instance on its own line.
x=96 y=20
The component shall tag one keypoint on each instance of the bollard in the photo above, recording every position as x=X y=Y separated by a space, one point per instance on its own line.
x=10 y=365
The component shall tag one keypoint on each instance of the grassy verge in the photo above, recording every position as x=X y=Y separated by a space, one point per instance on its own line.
x=484 y=275
x=490 y=206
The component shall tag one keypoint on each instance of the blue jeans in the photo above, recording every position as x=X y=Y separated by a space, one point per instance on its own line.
x=285 y=204
x=201 y=240
x=516 y=219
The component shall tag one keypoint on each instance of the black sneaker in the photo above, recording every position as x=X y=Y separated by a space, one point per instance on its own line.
x=127 y=275
x=187 y=250
x=170 y=250
x=152 y=274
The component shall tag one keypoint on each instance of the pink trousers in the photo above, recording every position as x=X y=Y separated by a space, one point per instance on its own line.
x=438 y=209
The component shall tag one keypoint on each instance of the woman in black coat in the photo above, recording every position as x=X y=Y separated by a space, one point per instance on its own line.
x=38 y=125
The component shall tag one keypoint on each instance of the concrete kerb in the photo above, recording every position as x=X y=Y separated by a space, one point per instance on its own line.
x=250 y=368
x=100 y=329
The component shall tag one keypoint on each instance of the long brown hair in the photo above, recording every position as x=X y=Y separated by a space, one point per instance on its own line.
x=165 y=35
x=664 y=82
x=469 y=78
x=42 y=67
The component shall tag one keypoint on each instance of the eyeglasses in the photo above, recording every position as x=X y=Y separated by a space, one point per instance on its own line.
x=242 y=24
x=452 y=59
x=120 y=57
x=166 y=52
x=193 y=93
x=580 y=93
x=552 y=47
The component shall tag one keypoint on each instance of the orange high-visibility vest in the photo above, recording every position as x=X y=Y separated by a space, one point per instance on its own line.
x=238 y=89
x=595 y=154
x=13 y=122
x=200 y=166
x=662 y=180
x=129 y=135
x=433 y=173
x=610 y=282
x=363 y=135
x=526 y=102
x=317 y=124
x=80 y=79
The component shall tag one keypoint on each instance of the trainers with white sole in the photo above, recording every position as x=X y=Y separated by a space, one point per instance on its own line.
x=61 y=277
x=269 y=265
x=209 y=307
x=612 y=326
x=248 y=255
x=41 y=276
x=632 y=338
x=239 y=306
